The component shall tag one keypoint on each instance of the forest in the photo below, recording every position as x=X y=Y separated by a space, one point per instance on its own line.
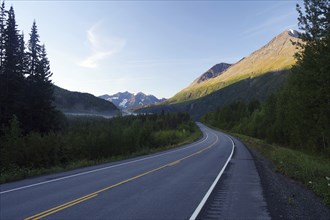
x=91 y=140
x=26 y=90
x=298 y=115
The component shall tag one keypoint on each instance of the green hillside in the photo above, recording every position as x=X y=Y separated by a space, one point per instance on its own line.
x=84 y=103
x=258 y=88
x=253 y=78
x=277 y=55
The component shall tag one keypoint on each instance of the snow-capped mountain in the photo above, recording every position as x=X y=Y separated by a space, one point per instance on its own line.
x=126 y=100
x=293 y=33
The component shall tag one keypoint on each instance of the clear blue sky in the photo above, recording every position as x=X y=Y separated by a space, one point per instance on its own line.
x=157 y=47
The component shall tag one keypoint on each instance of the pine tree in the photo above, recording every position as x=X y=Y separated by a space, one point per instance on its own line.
x=23 y=58
x=2 y=34
x=307 y=93
x=314 y=21
x=45 y=90
x=12 y=79
x=34 y=50
x=40 y=88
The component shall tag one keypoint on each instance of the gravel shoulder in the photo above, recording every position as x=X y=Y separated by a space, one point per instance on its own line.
x=286 y=198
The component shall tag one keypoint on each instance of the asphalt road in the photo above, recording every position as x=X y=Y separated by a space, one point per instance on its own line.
x=166 y=185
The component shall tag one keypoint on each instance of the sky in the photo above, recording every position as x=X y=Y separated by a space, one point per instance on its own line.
x=155 y=47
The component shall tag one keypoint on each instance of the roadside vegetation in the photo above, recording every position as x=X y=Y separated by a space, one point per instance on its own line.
x=298 y=115
x=310 y=169
x=89 y=141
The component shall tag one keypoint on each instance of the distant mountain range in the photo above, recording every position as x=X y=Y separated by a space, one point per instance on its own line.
x=82 y=103
x=254 y=77
x=127 y=100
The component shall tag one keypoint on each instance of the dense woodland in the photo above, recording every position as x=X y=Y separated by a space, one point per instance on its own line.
x=26 y=91
x=299 y=114
x=92 y=138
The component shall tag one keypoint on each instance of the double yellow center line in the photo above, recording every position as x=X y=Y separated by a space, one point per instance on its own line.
x=94 y=194
x=61 y=207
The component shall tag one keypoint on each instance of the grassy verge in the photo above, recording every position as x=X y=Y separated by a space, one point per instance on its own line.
x=311 y=170
x=16 y=173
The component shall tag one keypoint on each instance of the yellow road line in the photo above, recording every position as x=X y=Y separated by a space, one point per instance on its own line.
x=61 y=207
x=92 y=195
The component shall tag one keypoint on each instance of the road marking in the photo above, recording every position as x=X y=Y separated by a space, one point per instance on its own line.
x=61 y=207
x=104 y=168
x=92 y=195
x=207 y=195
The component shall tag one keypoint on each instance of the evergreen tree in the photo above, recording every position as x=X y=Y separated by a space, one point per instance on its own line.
x=33 y=50
x=309 y=83
x=314 y=21
x=45 y=91
x=23 y=58
x=12 y=79
x=2 y=34
x=42 y=114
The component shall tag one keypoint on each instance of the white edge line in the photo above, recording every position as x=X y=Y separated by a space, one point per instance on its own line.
x=207 y=195
x=100 y=169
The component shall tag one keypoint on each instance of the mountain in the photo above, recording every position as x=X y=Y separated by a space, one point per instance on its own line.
x=276 y=55
x=254 y=77
x=82 y=103
x=215 y=71
x=126 y=100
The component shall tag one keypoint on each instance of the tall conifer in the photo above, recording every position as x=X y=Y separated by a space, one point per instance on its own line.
x=12 y=81
x=40 y=87
x=33 y=50
x=304 y=104
x=2 y=34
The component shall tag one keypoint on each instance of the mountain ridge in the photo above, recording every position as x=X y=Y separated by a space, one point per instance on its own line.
x=276 y=55
x=127 y=100
x=213 y=72
x=254 y=77
x=82 y=103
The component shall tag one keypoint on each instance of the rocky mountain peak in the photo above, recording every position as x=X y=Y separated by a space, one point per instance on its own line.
x=293 y=33
x=213 y=72
x=126 y=100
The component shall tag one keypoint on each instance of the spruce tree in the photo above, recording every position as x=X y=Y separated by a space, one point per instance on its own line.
x=23 y=58
x=12 y=79
x=314 y=20
x=307 y=93
x=2 y=34
x=40 y=88
x=33 y=50
x=45 y=90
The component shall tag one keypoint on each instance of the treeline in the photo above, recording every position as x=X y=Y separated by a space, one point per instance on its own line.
x=26 y=91
x=91 y=138
x=299 y=114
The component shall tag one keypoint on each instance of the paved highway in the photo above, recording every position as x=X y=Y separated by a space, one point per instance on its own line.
x=174 y=184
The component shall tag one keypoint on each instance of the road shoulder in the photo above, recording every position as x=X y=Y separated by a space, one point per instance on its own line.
x=286 y=198
x=239 y=193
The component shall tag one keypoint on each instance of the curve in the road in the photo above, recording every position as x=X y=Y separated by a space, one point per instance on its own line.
x=101 y=169
x=166 y=185
x=92 y=195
